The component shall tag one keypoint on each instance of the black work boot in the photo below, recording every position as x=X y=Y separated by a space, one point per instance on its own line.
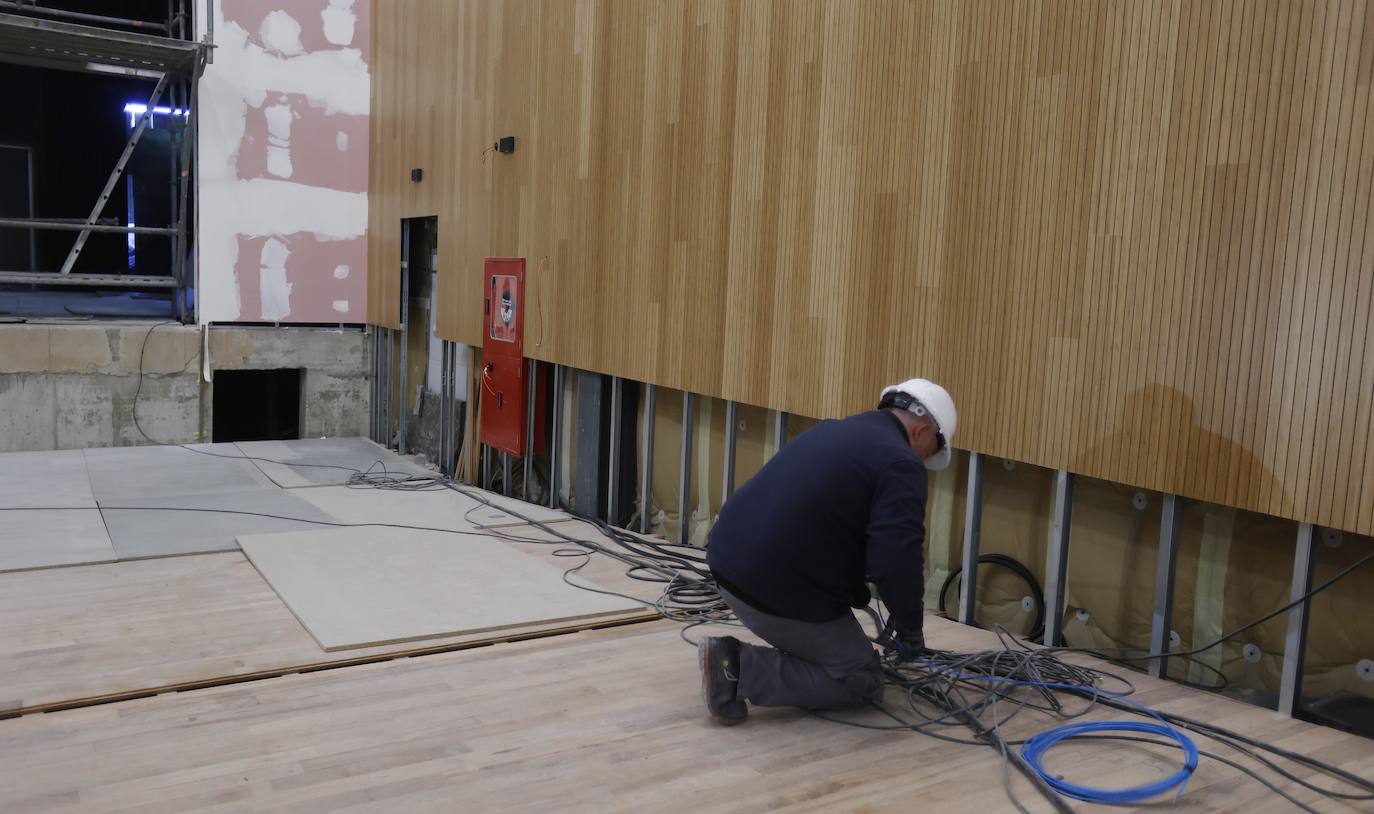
x=719 y=657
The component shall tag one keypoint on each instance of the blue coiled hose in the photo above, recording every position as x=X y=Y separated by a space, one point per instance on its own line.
x=1034 y=751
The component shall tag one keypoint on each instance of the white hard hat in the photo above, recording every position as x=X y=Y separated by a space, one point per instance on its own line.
x=928 y=398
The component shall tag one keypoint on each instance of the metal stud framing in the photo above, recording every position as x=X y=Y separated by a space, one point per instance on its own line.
x=451 y=417
x=684 y=486
x=1165 y=563
x=779 y=431
x=401 y=410
x=387 y=435
x=973 y=527
x=646 y=469
x=374 y=432
x=505 y=473
x=528 y=461
x=731 y=428
x=1057 y=561
x=1295 y=640
x=445 y=406
x=613 y=454
x=556 y=438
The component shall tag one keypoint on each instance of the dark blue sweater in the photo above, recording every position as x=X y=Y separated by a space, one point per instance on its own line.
x=845 y=499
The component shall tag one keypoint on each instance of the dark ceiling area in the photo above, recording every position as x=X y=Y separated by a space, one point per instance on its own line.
x=153 y=11
x=73 y=127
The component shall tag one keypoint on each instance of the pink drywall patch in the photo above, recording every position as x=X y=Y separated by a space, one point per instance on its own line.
x=324 y=24
x=301 y=278
x=290 y=139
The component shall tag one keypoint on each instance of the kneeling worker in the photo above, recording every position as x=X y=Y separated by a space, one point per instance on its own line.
x=792 y=547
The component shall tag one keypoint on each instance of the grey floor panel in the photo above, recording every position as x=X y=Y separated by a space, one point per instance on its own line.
x=47 y=537
x=144 y=533
x=140 y=473
x=333 y=460
x=47 y=479
x=432 y=508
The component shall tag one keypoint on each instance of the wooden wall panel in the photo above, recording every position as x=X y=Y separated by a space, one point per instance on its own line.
x=1132 y=239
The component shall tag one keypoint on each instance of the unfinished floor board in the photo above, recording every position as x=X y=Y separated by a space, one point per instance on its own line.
x=136 y=473
x=177 y=622
x=45 y=537
x=599 y=721
x=205 y=522
x=326 y=461
x=355 y=587
x=438 y=507
x=45 y=479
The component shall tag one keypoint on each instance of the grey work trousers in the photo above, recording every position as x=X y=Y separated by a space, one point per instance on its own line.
x=816 y=665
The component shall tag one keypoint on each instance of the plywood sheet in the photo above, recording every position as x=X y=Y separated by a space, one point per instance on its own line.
x=178 y=622
x=325 y=461
x=47 y=479
x=356 y=587
x=47 y=537
x=204 y=522
x=439 y=507
x=134 y=473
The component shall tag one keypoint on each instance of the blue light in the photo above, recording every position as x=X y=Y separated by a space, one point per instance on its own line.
x=138 y=108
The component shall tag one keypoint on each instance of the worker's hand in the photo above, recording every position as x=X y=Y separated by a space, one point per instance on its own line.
x=907 y=643
x=910 y=644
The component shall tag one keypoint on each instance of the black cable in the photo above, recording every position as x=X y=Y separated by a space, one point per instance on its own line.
x=1016 y=567
x=1344 y=572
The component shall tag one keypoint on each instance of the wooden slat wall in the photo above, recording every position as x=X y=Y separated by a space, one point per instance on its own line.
x=1132 y=238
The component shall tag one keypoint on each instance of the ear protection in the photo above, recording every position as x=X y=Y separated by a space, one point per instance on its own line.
x=903 y=401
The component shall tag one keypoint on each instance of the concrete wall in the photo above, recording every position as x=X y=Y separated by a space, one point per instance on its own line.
x=65 y=386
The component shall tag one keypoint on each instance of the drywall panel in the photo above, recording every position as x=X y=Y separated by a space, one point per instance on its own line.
x=359 y=587
x=189 y=524
x=283 y=140
x=151 y=473
x=45 y=479
x=1132 y=239
x=326 y=461
x=46 y=537
x=438 y=507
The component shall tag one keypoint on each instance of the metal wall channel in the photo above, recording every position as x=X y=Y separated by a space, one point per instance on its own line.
x=444 y=411
x=528 y=461
x=973 y=528
x=1295 y=640
x=1057 y=561
x=505 y=473
x=646 y=469
x=779 y=431
x=556 y=437
x=1166 y=562
x=731 y=431
x=387 y=436
x=613 y=454
x=451 y=417
x=377 y=347
x=684 y=487
x=405 y=344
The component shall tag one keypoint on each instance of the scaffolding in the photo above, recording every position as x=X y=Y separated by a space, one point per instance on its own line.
x=91 y=43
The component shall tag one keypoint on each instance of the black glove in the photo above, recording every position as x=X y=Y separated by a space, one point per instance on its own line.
x=907 y=643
